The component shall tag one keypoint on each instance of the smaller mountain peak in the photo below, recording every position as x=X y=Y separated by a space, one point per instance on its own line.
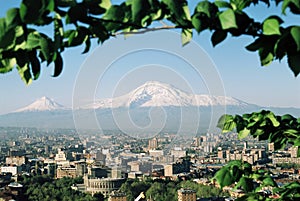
x=42 y=104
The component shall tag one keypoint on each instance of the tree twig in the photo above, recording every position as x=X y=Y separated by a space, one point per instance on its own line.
x=145 y=30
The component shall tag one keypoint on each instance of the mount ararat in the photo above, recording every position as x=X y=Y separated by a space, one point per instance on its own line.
x=151 y=107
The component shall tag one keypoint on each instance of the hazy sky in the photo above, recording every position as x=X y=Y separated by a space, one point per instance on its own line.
x=120 y=65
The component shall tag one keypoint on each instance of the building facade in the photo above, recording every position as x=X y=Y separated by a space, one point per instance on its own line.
x=186 y=195
x=104 y=185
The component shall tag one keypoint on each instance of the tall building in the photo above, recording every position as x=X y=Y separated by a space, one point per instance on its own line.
x=140 y=166
x=294 y=152
x=116 y=172
x=186 y=195
x=81 y=168
x=271 y=147
x=221 y=154
x=152 y=144
x=181 y=166
x=100 y=158
x=197 y=141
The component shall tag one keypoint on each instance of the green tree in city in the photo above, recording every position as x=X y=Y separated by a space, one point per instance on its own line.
x=134 y=188
x=203 y=191
x=48 y=189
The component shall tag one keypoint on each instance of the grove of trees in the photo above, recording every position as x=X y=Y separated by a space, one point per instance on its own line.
x=161 y=190
x=43 y=187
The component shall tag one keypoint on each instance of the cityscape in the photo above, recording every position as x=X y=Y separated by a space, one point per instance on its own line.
x=107 y=163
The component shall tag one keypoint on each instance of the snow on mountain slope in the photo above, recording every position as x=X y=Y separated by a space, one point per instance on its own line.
x=156 y=94
x=42 y=104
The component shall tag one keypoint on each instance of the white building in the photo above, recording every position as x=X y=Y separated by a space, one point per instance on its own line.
x=14 y=170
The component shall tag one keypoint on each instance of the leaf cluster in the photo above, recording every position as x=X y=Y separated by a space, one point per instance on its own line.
x=239 y=175
x=264 y=125
x=24 y=46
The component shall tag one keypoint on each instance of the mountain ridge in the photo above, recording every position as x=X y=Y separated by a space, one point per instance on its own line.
x=150 y=107
x=157 y=94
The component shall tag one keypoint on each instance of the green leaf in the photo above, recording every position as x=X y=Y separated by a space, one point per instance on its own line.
x=79 y=36
x=65 y=3
x=58 y=33
x=271 y=26
x=240 y=4
x=25 y=74
x=206 y=7
x=105 y=4
x=33 y=40
x=256 y=176
x=258 y=43
x=186 y=12
x=222 y=4
x=218 y=36
x=6 y=65
x=94 y=7
x=7 y=35
x=13 y=17
x=268 y=181
x=179 y=11
x=77 y=13
x=243 y=133
x=199 y=22
x=35 y=65
x=295 y=32
x=226 y=123
x=224 y=177
x=158 y=15
x=114 y=13
x=36 y=11
x=58 y=65
x=87 y=45
x=291 y=133
x=99 y=31
x=186 y=36
x=265 y=58
x=294 y=63
x=227 y=19
x=22 y=58
x=245 y=183
x=46 y=47
x=293 y=4
x=273 y=119
x=140 y=9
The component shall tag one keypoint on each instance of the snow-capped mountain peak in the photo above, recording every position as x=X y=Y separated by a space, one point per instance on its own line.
x=156 y=94
x=42 y=104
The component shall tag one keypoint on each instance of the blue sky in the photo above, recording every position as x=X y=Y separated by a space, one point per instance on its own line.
x=159 y=56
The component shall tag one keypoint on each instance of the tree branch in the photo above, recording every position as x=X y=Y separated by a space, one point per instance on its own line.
x=145 y=30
